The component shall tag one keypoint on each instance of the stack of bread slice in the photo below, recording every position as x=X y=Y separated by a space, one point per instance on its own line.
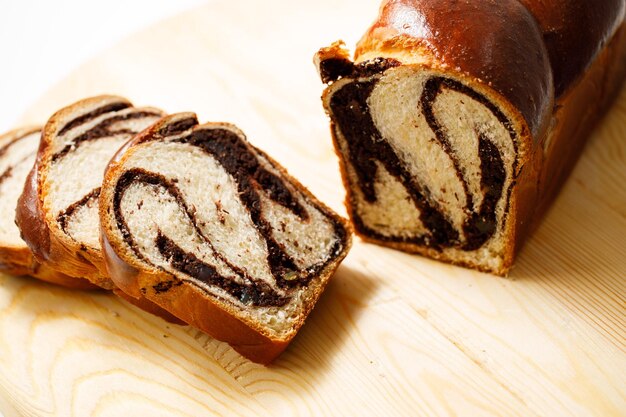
x=187 y=221
x=18 y=150
x=58 y=210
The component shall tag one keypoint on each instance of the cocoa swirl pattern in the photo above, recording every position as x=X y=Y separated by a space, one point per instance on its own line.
x=11 y=144
x=245 y=165
x=110 y=115
x=85 y=118
x=103 y=129
x=6 y=147
x=366 y=146
x=64 y=217
x=8 y=172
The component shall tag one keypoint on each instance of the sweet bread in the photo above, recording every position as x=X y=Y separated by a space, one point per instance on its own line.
x=208 y=227
x=457 y=121
x=17 y=156
x=57 y=212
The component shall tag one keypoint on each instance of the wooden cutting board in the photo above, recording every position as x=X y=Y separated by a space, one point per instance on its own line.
x=393 y=334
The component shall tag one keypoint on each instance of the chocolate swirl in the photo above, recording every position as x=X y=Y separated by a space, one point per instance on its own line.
x=366 y=148
x=255 y=178
x=105 y=128
x=117 y=120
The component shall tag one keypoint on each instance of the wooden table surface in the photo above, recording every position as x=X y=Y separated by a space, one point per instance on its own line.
x=394 y=334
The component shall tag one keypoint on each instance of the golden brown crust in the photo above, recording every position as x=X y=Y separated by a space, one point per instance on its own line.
x=512 y=48
x=148 y=306
x=192 y=304
x=49 y=245
x=575 y=32
x=47 y=274
x=577 y=112
x=20 y=261
x=16 y=260
x=498 y=43
x=125 y=290
x=29 y=218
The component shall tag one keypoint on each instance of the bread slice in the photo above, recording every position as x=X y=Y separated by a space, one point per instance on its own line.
x=18 y=149
x=211 y=229
x=17 y=156
x=58 y=210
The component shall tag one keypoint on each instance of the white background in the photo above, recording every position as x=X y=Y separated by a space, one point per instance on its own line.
x=42 y=41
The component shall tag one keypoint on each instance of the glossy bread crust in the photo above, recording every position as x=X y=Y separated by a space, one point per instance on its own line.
x=17 y=260
x=575 y=32
x=554 y=66
x=497 y=42
x=192 y=306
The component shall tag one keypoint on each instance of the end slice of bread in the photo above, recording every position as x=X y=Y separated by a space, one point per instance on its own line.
x=211 y=229
x=18 y=149
x=430 y=158
x=58 y=210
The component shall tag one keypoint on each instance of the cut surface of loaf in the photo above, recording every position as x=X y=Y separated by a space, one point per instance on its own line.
x=445 y=135
x=437 y=178
x=58 y=210
x=211 y=229
x=18 y=149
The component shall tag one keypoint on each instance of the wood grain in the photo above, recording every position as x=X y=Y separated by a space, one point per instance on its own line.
x=394 y=334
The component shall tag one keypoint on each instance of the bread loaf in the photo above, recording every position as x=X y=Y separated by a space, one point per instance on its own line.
x=17 y=156
x=57 y=212
x=208 y=227
x=457 y=121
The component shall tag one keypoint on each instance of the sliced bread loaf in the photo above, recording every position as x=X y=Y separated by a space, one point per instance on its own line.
x=58 y=210
x=211 y=229
x=18 y=149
